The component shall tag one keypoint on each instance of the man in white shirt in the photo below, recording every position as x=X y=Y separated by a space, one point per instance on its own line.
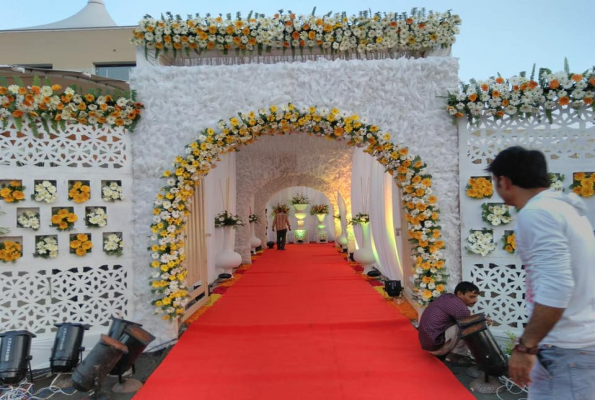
x=555 y=355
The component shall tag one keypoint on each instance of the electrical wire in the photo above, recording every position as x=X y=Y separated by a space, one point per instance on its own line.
x=24 y=391
x=510 y=386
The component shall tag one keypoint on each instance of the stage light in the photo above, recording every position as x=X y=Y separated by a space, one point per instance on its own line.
x=99 y=362
x=392 y=288
x=118 y=326
x=136 y=339
x=487 y=353
x=67 y=351
x=15 y=356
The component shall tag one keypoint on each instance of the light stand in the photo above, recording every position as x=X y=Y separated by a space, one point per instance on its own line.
x=136 y=339
x=15 y=356
x=488 y=355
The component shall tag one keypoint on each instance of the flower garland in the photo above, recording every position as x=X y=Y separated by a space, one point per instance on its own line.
x=12 y=192
x=80 y=244
x=300 y=199
x=10 y=251
x=112 y=191
x=523 y=97
x=336 y=34
x=79 y=191
x=319 y=209
x=360 y=218
x=63 y=219
x=253 y=219
x=226 y=218
x=496 y=214
x=46 y=247
x=583 y=183
x=46 y=105
x=509 y=240
x=479 y=188
x=96 y=217
x=45 y=192
x=171 y=204
x=28 y=220
x=556 y=182
x=113 y=245
x=481 y=242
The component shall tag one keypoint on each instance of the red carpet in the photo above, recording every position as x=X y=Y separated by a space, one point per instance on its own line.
x=301 y=325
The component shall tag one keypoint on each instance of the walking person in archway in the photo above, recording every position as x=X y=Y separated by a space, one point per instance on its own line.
x=281 y=224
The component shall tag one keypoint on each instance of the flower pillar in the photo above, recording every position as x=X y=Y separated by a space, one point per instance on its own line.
x=300 y=234
x=254 y=241
x=228 y=259
x=365 y=255
x=321 y=236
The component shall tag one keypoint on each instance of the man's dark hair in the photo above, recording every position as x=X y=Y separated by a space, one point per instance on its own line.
x=525 y=168
x=465 y=287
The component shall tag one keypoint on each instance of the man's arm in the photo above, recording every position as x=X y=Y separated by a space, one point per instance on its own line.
x=541 y=322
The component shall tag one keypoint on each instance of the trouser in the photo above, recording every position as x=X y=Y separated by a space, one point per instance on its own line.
x=281 y=235
x=563 y=374
x=452 y=343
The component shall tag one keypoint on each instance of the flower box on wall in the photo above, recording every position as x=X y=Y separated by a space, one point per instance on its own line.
x=479 y=187
x=583 y=183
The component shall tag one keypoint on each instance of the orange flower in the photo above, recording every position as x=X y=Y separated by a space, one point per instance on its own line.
x=576 y=77
x=80 y=252
x=499 y=80
x=472 y=97
x=17 y=113
x=563 y=101
x=554 y=84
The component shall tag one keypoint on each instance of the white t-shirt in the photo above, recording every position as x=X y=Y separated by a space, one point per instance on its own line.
x=556 y=244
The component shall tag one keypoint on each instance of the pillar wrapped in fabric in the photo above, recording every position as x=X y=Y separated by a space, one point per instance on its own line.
x=487 y=353
x=136 y=339
x=67 y=346
x=118 y=326
x=92 y=371
x=15 y=354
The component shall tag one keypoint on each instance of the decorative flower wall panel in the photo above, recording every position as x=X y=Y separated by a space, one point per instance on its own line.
x=80 y=146
x=569 y=145
x=36 y=299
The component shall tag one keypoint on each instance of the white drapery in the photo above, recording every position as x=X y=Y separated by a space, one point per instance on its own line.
x=372 y=186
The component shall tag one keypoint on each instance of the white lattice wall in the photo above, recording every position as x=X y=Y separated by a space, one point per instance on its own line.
x=569 y=145
x=35 y=293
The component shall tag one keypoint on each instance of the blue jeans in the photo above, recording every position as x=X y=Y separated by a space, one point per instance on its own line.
x=567 y=374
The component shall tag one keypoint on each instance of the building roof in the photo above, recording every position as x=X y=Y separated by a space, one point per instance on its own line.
x=93 y=15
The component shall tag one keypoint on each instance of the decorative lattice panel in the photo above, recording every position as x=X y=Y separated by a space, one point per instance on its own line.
x=79 y=146
x=36 y=300
x=569 y=145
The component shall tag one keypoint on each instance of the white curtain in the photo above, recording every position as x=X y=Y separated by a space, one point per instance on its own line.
x=373 y=187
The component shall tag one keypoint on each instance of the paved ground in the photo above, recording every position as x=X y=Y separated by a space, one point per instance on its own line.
x=149 y=361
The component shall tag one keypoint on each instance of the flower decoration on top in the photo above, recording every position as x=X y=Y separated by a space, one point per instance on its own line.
x=45 y=192
x=13 y=192
x=319 y=209
x=172 y=203
x=523 y=97
x=79 y=191
x=479 y=188
x=556 y=181
x=583 y=183
x=496 y=214
x=360 y=218
x=300 y=199
x=279 y=207
x=49 y=106
x=226 y=218
x=334 y=34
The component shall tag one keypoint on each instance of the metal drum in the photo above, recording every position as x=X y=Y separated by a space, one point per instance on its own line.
x=92 y=371
x=487 y=353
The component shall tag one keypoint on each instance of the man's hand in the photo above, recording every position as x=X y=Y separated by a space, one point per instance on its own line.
x=520 y=366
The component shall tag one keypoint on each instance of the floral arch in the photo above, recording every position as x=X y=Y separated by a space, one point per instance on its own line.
x=409 y=171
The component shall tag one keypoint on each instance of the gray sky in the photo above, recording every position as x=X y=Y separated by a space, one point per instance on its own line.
x=507 y=36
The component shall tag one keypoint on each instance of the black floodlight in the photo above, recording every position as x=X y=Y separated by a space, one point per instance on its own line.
x=15 y=356
x=136 y=339
x=67 y=351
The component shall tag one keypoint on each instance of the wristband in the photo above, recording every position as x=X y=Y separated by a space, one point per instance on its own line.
x=521 y=348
